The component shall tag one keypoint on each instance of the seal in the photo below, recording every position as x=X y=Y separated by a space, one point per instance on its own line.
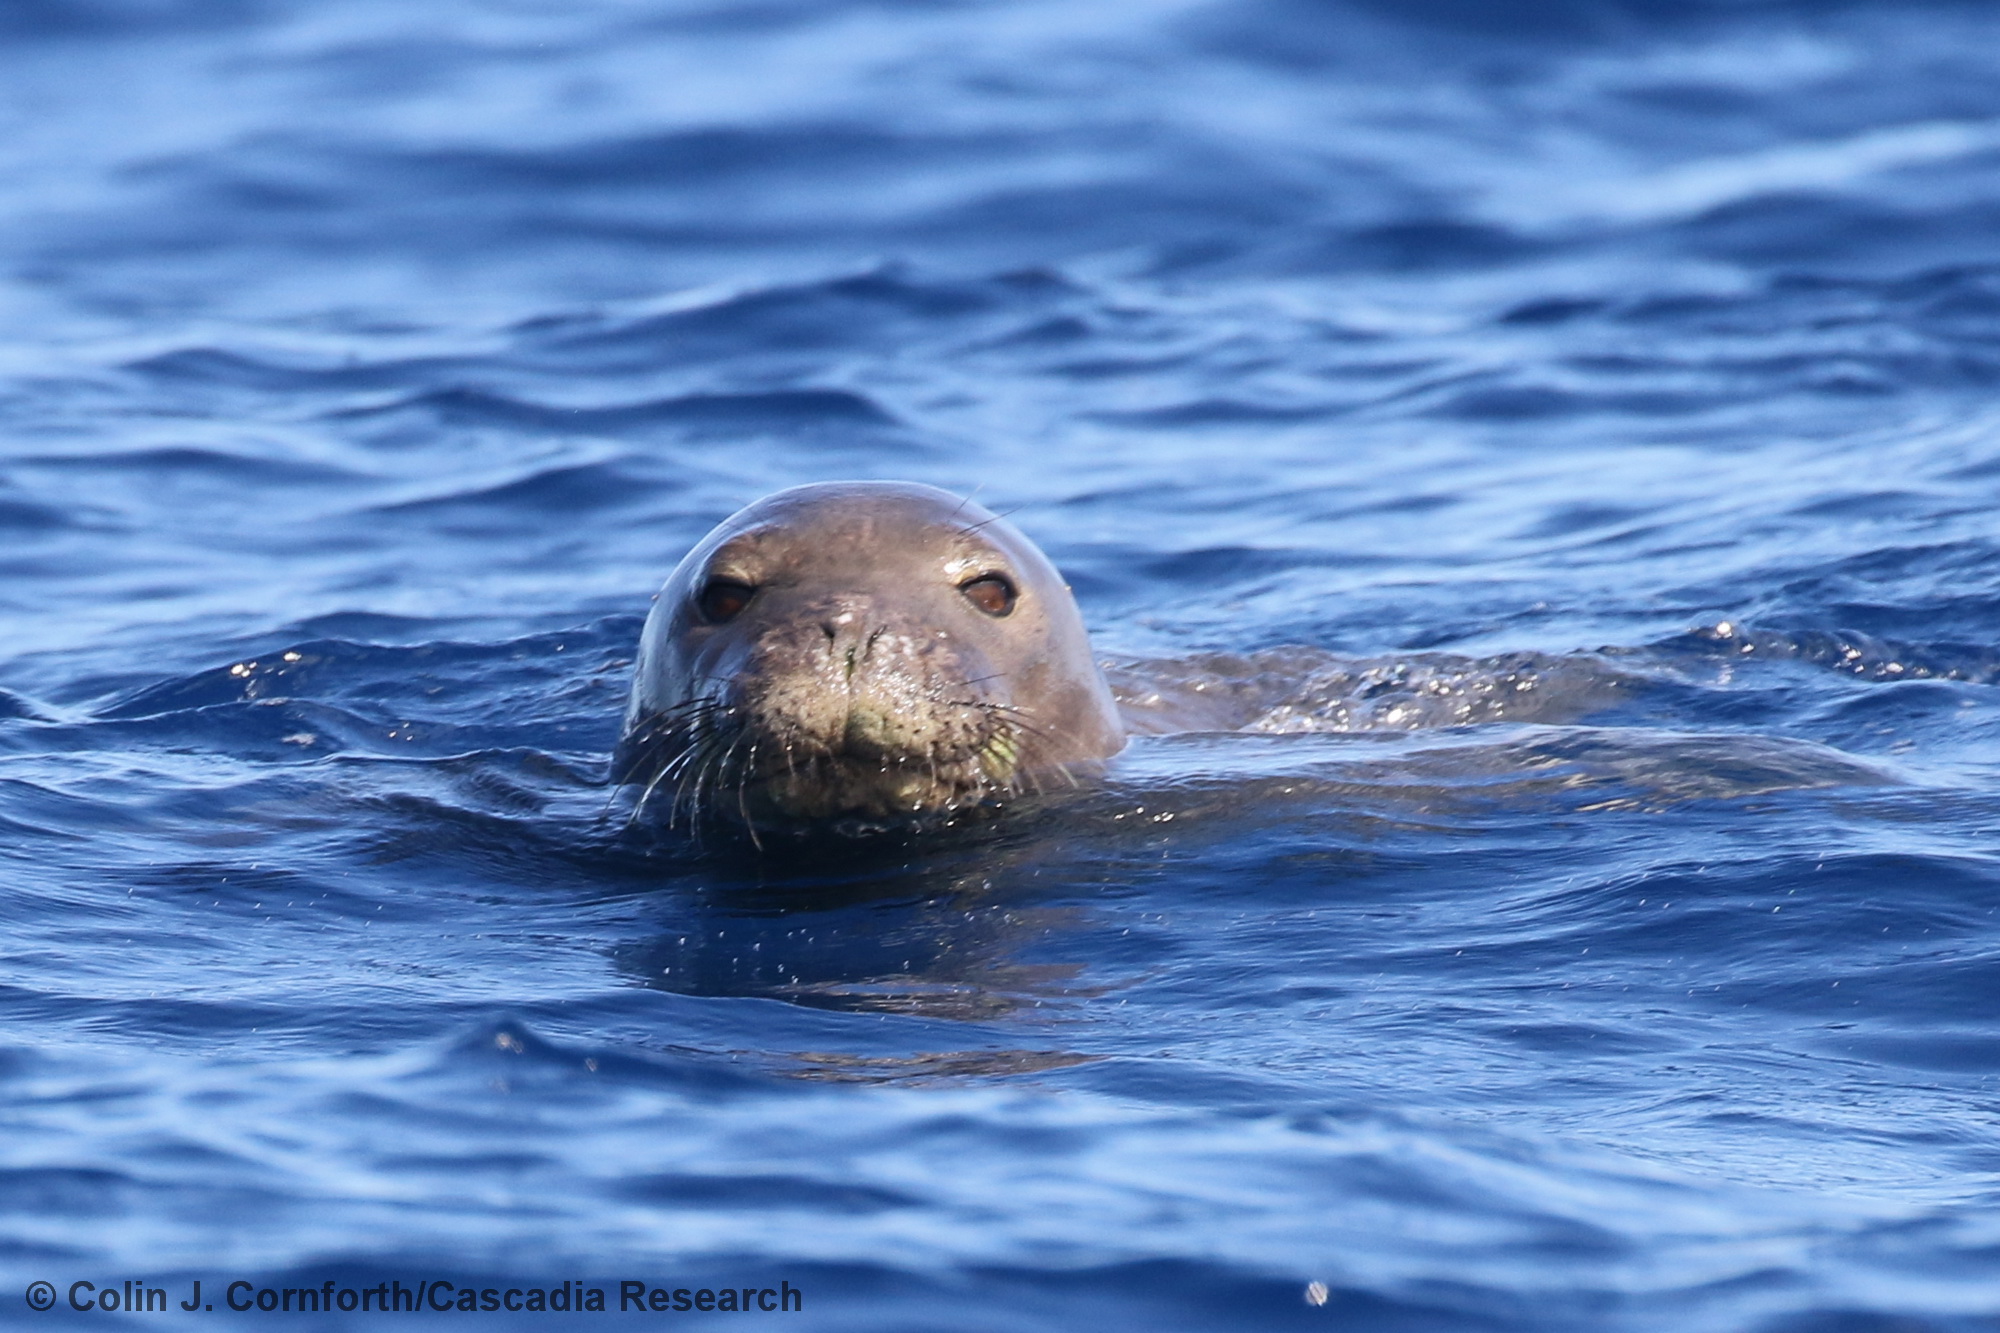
x=866 y=651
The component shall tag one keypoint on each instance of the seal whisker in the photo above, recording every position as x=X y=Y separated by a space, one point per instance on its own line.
x=708 y=779
x=695 y=759
x=663 y=770
x=638 y=752
x=972 y=530
x=687 y=792
x=1012 y=717
x=743 y=794
x=645 y=796
x=722 y=768
x=646 y=747
x=678 y=762
x=959 y=508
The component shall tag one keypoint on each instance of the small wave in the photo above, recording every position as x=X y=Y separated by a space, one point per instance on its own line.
x=1545 y=310
x=24 y=516
x=578 y=488
x=710 y=411
x=72 y=19
x=225 y=368
x=518 y=679
x=365 y=627
x=1430 y=243
x=1692 y=189
x=1218 y=412
x=1847 y=651
x=1663 y=767
x=510 y=1049
x=281 y=730
x=15 y=707
x=1427 y=785
x=879 y=308
x=282 y=674
x=1224 y=566
x=199 y=463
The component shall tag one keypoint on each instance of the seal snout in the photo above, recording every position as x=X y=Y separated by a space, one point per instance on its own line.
x=865 y=685
x=856 y=709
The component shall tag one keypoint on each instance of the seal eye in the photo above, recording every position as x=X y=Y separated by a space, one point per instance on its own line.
x=723 y=600
x=992 y=593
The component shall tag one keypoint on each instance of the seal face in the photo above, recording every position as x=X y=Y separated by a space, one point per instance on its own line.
x=875 y=650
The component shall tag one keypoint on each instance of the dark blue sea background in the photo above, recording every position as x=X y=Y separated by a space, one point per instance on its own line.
x=1531 y=469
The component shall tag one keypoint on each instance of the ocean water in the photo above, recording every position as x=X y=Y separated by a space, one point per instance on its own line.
x=1531 y=469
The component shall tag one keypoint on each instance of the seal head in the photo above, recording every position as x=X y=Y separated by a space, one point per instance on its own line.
x=867 y=650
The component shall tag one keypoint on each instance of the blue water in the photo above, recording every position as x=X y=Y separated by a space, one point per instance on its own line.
x=1531 y=468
